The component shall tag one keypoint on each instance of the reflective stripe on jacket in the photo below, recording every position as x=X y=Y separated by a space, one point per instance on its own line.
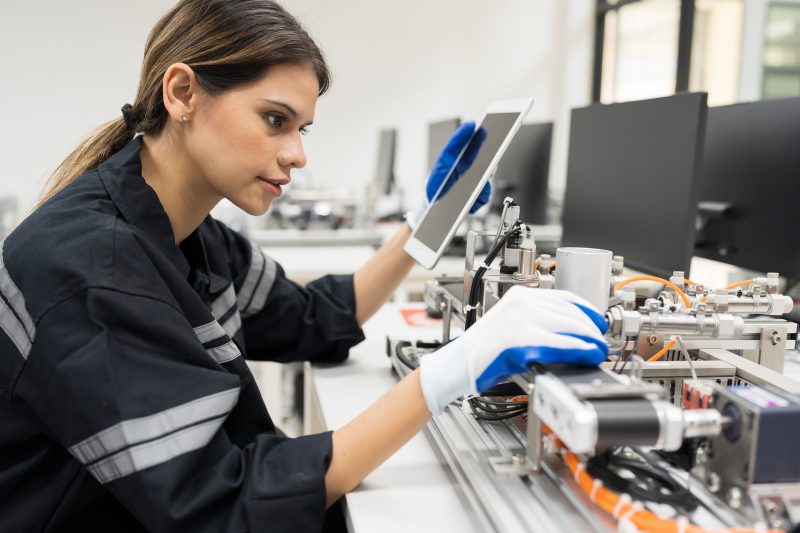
x=125 y=401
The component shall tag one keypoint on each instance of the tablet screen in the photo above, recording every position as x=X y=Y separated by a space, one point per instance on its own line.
x=443 y=214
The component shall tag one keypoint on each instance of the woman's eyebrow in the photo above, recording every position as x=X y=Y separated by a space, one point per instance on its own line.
x=289 y=109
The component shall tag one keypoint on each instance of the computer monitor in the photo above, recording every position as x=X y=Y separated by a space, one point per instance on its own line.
x=633 y=180
x=438 y=135
x=522 y=173
x=748 y=210
x=384 y=170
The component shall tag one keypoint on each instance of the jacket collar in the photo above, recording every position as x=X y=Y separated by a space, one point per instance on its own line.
x=138 y=203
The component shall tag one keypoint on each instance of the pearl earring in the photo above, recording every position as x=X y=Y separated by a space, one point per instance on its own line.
x=184 y=119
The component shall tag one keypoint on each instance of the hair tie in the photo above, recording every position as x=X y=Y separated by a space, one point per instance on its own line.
x=130 y=118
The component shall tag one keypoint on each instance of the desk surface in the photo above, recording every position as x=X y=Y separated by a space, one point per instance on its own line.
x=414 y=489
x=306 y=263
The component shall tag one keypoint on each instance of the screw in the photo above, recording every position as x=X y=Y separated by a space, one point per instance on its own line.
x=771 y=507
x=700 y=456
x=773 y=511
x=713 y=482
x=652 y=339
x=776 y=338
x=735 y=497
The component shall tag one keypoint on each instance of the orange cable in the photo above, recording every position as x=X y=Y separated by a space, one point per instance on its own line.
x=660 y=280
x=611 y=502
x=536 y=265
x=658 y=355
x=732 y=286
x=739 y=284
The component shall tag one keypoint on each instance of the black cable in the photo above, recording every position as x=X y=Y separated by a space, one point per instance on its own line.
x=509 y=388
x=476 y=280
x=400 y=347
x=401 y=356
x=650 y=482
x=625 y=359
x=494 y=410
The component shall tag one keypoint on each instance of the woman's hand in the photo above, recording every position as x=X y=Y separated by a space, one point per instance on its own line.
x=441 y=168
x=526 y=326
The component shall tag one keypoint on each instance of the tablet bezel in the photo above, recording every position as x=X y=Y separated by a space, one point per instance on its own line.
x=422 y=253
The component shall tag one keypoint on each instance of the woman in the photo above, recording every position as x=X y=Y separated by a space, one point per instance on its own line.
x=126 y=310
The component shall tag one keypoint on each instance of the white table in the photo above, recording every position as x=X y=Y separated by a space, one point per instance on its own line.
x=306 y=263
x=414 y=490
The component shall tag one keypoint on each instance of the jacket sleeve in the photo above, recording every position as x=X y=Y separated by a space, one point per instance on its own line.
x=124 y=384
x=283 y=321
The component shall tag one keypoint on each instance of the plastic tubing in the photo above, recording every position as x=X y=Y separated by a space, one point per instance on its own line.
x=658 y=355
x=666 y=282
x=739 y=284
x=732 y=286
x=609 y=501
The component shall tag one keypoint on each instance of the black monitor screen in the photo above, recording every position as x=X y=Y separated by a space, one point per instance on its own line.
x=633 y=180
x=748 y=211
x=522 y=173
x=438 y=135
x=384 y=171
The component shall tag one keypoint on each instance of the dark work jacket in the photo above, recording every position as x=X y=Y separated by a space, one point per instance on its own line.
x=125 y=400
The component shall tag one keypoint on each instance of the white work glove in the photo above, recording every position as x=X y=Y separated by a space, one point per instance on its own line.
x=526 y=326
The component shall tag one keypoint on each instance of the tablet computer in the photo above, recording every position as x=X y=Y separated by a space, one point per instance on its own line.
x=445 y=214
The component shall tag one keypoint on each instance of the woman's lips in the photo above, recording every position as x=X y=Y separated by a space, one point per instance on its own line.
x=272 y=186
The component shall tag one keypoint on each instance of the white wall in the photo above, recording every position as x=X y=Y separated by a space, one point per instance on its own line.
x=69 y=65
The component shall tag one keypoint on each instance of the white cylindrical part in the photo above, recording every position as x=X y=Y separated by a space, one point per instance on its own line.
x=586 y=272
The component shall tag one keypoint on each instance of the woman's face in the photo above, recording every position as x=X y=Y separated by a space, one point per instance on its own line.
x=245 y=141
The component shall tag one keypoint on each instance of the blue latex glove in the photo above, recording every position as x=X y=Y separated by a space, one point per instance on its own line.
x=526 y=326
x=442 y=166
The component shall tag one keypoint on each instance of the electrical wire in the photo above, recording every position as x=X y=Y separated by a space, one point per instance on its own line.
x=732 y=286
x=659 y=354
x=740 y=284
x=625 y=359
x=494 y=410
x=399 y=352
x=666 y=282
x=685 y=353
x=650 y=482
x=476 y=279
x=536 y=265
x=616 y=506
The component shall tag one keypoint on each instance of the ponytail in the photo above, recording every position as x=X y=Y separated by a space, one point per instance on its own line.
x=99 y=146
x=226 y=43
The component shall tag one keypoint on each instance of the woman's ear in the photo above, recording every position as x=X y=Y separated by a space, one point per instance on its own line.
x=179 y=91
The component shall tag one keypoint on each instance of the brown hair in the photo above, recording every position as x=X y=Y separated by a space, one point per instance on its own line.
x=225 y=42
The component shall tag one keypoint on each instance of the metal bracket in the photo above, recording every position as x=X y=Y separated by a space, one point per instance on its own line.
x=772 y=348
x=648 y=345
x=534 y=434
x=514 y=465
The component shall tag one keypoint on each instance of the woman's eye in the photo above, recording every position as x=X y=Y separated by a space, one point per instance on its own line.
x=303 y=131
x=276 y=121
